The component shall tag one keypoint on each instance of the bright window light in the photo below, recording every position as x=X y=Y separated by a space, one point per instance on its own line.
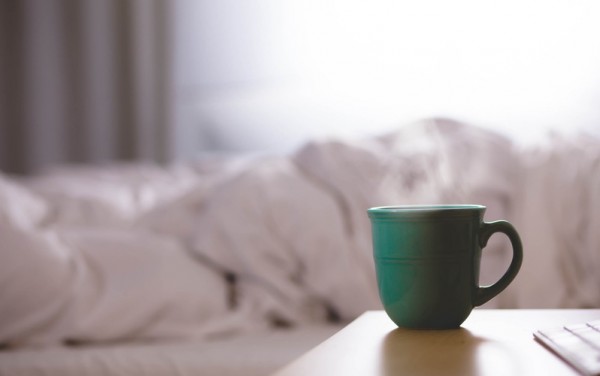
x=301 y=68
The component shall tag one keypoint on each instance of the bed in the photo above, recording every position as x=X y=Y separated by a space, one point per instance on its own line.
x=237 y=265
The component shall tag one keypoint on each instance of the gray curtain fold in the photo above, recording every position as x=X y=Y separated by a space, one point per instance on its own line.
x=84 y=81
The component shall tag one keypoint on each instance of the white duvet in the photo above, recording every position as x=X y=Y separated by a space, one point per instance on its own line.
x=214 y=247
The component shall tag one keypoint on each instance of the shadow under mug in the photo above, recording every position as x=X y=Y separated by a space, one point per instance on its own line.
x=427 y=261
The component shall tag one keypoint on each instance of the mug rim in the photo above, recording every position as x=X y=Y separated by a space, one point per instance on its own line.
x=399 y=210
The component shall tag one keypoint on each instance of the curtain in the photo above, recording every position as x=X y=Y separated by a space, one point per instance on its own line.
x=85 y=81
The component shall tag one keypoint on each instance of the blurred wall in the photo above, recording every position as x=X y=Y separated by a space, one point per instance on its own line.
x=83 y=81
x=102 y=80
x=267 y=74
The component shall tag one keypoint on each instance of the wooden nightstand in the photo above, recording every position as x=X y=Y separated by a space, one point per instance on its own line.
x=490 y=342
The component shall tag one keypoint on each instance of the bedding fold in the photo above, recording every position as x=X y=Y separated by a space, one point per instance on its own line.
x=208 y=250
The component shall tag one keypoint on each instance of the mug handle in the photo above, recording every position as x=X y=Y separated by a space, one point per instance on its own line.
x=484 y=294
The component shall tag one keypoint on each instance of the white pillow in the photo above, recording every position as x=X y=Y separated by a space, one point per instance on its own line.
x=19 y=206
x=112 y=196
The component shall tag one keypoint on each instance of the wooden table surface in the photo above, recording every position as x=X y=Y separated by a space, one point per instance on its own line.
x=490 y=342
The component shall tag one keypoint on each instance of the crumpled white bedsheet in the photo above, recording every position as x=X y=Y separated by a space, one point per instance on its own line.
x=557 y=212
x=214 y=247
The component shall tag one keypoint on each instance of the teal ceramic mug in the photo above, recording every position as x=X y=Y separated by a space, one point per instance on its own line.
x=427 y=261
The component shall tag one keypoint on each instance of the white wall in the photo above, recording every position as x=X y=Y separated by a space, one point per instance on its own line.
x=267 y=74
